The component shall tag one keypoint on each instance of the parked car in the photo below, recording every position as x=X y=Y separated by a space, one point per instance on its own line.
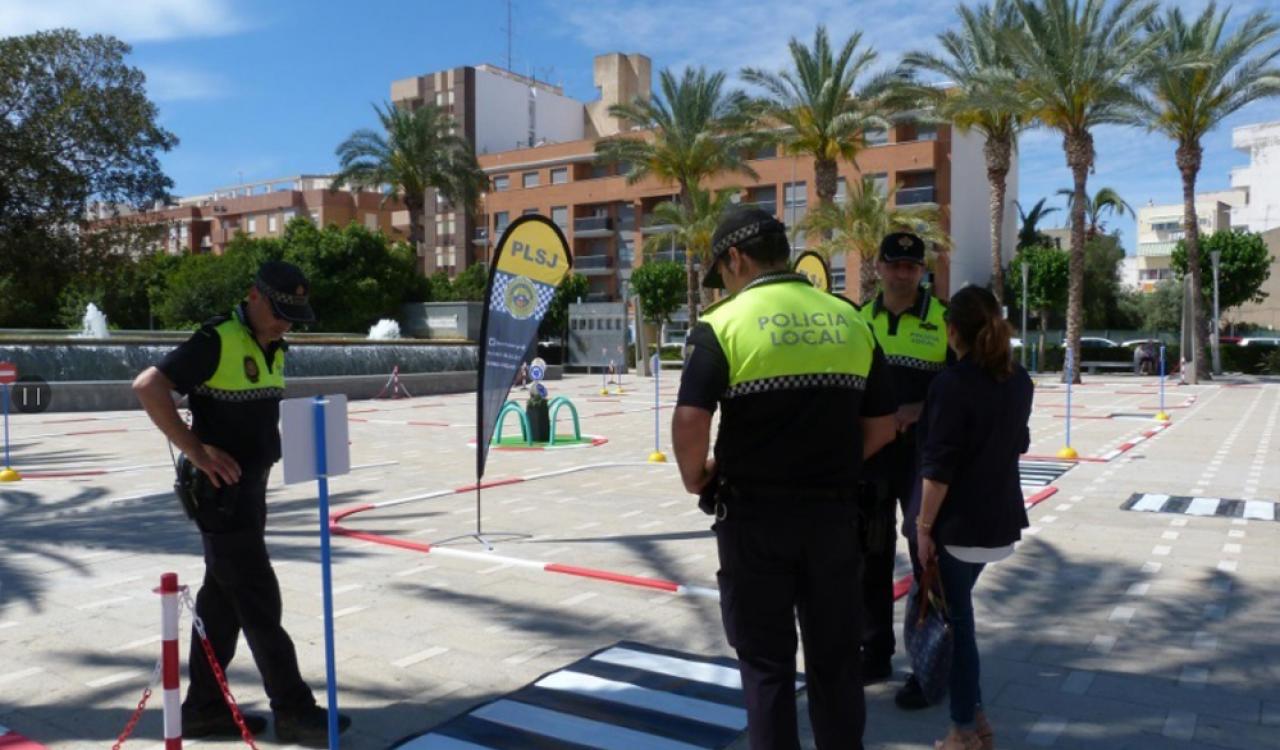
x=1260 y=341
x=1096 y=342
x=1233 y=340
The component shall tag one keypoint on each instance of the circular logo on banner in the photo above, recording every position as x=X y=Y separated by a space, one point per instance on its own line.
x=521 y=298
x=536 y=372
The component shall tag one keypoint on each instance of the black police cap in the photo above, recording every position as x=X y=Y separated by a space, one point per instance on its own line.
x=902 y=246
x=738 y=226
x=286 y=288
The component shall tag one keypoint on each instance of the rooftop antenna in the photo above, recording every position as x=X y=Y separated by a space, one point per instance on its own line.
x=509 y=34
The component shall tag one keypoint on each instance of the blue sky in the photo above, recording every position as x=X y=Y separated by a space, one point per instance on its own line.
x=264 y=90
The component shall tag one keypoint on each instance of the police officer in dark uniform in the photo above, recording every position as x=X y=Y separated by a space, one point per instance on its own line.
x=232 y=370
x=910 y=327
x=804 y=396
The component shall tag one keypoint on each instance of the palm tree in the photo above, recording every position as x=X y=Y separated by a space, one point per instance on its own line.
x=815 y=103
x=1200 y=76
x=1029 y=234
x=1077 y=60
x=691 y=227
x=416 y=153
x=696 y=129
x=1105 y=200
x=980 y=74
x=860 y=222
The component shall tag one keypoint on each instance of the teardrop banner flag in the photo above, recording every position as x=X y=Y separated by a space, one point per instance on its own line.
x=531 y=260
x=813 y=266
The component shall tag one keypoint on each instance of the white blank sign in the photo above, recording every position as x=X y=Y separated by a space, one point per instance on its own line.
x=297 y=433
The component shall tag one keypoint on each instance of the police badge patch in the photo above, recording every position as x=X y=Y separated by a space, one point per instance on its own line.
x=251 y=369
x=521 y=298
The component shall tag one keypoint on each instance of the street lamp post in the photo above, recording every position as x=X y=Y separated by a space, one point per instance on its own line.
x=1216 y=257
x=1026 y=273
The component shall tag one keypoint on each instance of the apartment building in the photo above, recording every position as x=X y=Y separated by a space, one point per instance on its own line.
x=498 y=110
x=1160 y=228
x=1259 y=181
x=206 y=223
x=607 y=220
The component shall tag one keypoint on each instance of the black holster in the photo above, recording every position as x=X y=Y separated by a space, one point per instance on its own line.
x=197 y=494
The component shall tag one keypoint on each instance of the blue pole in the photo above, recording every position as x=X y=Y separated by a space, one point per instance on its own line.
x=322 y=476
x=1162 y=378
x=657 y=361
x=6 y=425
x=1070 y=380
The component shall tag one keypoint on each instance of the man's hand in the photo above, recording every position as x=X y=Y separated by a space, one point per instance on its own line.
x=698 y=484
x=907 y=415
x=924 y=544
x=217 y=464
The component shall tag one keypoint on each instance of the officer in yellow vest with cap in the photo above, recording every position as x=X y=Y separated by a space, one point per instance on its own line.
x=232 y=370
x=910 y=326
x=804 y=396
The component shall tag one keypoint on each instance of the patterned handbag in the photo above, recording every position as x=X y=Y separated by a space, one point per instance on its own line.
x=930 y=639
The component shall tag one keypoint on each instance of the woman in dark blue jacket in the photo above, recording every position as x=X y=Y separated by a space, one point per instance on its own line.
x=971 y=512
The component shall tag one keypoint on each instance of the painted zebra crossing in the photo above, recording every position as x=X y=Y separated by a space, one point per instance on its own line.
x=1261 y=510
x=625 y=697
x=1037 y=474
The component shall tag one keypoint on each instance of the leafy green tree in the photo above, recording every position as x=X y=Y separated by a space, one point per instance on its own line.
x=1029 y=233
x=816 y=102
x=555 y=323
x=1047 y=282
x=1244 y=267
x=1106 y=200
x=1201 y=75
x=980 y=75
x=696 y=129
x=205 y=285
x=659 y=284
x=1102 y=257
x=416 y=153
x=1161 y=309
x=859 y=224
x=75 y=128
x=1077 y=60
x=470 y=285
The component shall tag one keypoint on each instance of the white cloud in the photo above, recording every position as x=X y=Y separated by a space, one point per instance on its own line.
x=130 y=20
x=174 y=84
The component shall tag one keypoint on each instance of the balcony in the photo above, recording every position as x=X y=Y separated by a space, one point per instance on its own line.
x=593 y=265
x=646 y=227
x=593 y=226
x=916 y=196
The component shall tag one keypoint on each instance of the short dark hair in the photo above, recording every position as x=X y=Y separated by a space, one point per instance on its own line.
x=767 y=249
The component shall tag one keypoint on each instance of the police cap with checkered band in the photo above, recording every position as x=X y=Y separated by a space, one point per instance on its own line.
x=286 y=288
x=739 y=227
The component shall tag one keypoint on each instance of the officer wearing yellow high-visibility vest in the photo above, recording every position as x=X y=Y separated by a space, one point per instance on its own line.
x=910 y=326
x=232 y=370
x=803 y=394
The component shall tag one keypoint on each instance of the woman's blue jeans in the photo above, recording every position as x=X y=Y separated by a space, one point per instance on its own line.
x=958 y=578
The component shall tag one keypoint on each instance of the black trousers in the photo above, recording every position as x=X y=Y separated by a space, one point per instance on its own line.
x=880 y=504
x=780 y=558
x=240 y=593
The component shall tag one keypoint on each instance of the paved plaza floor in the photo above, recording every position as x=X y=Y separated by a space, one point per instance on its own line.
x=1152 y=627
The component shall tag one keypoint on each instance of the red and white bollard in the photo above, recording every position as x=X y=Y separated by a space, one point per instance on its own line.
x=169 y=661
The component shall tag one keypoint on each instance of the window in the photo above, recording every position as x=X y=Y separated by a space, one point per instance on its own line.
x=185 y=233
x=795 y=206
x=371 y=222
x=880 y=181
x=560 y=215
x=502 y=182
x=627 y=253
x=877 y=137
x=926 y=132
x=529 y=212
x=529 y=179
x=289 y=215
x=273 y=223
x=599 y=170
x=315 y=218
x=559 y=176
x=252 y=224
x=767 y=152
x=500 y=221
x=842 y=190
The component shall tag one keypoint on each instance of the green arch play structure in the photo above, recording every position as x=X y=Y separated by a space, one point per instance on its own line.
x=526 y=432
